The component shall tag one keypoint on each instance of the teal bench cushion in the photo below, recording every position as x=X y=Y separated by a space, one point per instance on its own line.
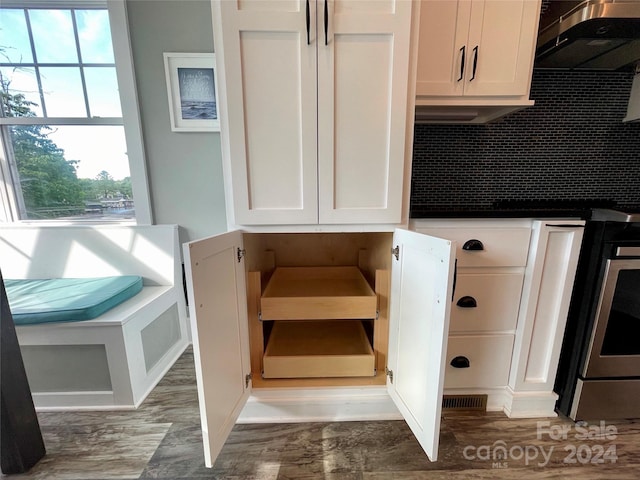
x=67 y=299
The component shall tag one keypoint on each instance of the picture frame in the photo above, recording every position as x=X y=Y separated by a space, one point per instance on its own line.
x=192 y=91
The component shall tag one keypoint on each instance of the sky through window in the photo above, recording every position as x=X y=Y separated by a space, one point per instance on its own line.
x=62 y=69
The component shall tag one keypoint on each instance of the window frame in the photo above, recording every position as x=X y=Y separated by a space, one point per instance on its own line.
x=130 y=120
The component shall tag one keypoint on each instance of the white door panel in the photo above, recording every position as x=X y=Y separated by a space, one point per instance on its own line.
x=362 y=99
x=269 y=90
x=442 y=47
x=504 y=33
x=421 y=289
x=218 y=312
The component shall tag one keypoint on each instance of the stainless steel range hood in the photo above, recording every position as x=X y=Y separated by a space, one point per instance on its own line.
x=589 y=35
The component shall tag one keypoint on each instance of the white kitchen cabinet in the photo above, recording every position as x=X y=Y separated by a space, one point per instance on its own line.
x=475 y=53
x=549 y=277
x=491 y=256
x=510 y=304
x=413 y=283
x=417 y=353
x=314 y=124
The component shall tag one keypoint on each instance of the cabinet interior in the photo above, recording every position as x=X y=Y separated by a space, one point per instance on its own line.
x=308 y=330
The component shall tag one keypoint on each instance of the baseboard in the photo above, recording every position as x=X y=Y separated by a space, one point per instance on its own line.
x=291 y=405
x=285 y=405
x=530 y=404
x=75 y=401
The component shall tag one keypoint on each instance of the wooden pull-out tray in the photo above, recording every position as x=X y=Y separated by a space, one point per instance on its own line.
x=328 y=348
x=315 y=293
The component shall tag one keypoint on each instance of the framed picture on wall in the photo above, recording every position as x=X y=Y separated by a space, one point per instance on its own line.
x=192 y=91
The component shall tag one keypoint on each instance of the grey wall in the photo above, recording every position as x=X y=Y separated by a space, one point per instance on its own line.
x=184 y=169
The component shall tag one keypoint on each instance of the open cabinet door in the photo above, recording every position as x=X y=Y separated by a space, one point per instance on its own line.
x=421 y=287
x=218 y=310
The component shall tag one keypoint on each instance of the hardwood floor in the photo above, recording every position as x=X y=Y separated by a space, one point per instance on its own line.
x=162 y=440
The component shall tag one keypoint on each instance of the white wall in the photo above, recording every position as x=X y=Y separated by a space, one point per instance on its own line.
x=184 y=169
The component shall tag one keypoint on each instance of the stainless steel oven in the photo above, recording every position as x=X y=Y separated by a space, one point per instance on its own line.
x=614 y=349
x=599 y=371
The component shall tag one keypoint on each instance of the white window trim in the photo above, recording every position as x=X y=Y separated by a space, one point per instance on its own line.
x=8 y=199
x=130 y=111
x=130 y=116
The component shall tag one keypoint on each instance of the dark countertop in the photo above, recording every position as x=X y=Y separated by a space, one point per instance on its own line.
x=554 y=208
x=417 y=213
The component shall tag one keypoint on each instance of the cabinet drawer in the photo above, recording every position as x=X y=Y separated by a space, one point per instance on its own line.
x=496 y=297
x=315 y=293
x=330 y=348
x=489 y=359
x=501 y=247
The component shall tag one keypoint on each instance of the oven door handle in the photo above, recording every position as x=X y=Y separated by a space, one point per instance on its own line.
x=563 y=225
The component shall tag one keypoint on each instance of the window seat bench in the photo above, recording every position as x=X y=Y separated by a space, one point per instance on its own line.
x=114 y=360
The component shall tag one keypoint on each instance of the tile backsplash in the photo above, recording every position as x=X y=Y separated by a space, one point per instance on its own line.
x=571 y=145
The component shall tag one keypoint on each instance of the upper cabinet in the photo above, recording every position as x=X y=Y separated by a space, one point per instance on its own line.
x=476 y=53
x=313 y=106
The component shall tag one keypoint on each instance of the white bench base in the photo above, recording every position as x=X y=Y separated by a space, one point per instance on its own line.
x=115 y=360
x=111 y=362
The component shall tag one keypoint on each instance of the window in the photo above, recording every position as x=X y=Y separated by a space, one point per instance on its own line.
x=67 y=153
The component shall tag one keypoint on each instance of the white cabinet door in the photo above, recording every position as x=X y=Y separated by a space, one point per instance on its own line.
x=362 y=107
x=421 y=291
x=480 y=48
x=268 y=91
x=314 y=124
x=218 y=311
x=502 y=38
x=443 y=51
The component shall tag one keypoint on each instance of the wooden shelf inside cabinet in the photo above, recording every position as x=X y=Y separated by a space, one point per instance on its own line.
x=316 y=293
x=318 y=348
